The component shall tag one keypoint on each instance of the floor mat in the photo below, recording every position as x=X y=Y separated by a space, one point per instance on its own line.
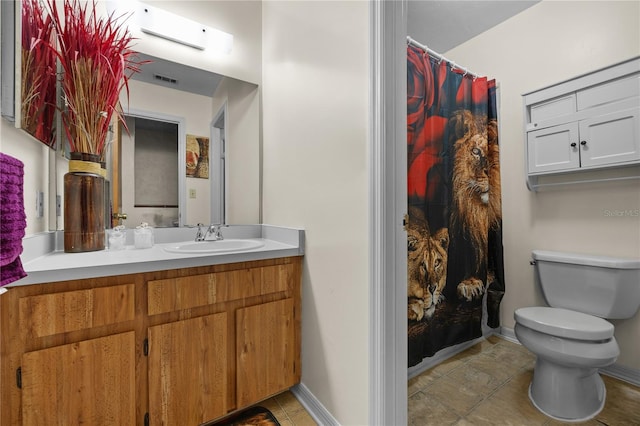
x=254 y=416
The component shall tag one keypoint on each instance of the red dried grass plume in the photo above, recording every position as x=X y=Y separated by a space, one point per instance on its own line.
x=97 y=62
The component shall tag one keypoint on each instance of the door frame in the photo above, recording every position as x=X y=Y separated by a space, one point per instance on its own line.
x=218 y=196
x=388 y=206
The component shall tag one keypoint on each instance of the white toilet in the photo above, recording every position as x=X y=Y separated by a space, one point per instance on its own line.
x=570 y=338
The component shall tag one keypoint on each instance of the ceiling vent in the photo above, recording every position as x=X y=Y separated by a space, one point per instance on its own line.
x=165 y=79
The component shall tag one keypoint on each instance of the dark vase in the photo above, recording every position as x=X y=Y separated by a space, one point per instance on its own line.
x=84 y=204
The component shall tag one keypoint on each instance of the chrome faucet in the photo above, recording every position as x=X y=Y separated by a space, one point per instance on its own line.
x=213 y=230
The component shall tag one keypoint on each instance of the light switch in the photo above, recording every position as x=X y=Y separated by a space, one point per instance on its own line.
x=192 y=193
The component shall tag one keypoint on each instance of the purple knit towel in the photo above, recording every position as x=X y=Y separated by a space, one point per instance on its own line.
x=13 y=220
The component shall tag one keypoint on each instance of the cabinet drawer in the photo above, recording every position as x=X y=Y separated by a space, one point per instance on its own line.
x=55 y=313
x=553 y=108
x=175 y=294
x=608 y=92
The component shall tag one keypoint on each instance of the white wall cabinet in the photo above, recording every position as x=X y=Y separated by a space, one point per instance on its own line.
x=588 y=123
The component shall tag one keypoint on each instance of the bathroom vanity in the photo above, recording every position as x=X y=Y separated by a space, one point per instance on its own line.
x=172 y=345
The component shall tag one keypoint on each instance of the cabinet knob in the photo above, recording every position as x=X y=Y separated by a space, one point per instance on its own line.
x=583 y=143
x=573 y=144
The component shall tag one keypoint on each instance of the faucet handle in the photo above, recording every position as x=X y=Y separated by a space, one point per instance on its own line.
x=216 y=230
x=199 y=234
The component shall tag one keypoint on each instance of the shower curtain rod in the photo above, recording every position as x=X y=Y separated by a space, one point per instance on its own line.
x=440 y=57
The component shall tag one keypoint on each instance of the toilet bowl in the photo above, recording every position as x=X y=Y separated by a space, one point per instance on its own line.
x=566 y=385
x=570 y=338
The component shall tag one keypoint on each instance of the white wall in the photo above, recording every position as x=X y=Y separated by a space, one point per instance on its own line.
x=315 y=175
x=548 y=43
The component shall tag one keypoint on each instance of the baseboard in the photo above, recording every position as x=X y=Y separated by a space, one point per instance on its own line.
x=508 y=334
x=320 y=414
x=629 y=375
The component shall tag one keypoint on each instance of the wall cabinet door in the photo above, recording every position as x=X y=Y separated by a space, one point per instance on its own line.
x=91 y=382
x=610 y=138
x=266 y=350
x=188 y=371
x=553 y=149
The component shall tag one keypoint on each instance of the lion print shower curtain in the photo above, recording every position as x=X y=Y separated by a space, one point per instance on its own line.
x=454 y=231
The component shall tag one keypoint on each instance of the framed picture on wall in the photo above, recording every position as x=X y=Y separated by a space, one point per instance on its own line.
x=197 y=157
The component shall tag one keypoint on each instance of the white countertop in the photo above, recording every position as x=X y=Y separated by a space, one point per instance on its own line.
x=57 y=265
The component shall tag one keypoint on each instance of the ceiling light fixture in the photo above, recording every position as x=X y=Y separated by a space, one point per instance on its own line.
x=161 y=23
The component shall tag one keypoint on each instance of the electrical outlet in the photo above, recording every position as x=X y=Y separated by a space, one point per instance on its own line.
x=39 y=204
x=192 y=193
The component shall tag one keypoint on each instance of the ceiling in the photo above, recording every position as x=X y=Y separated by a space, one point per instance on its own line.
x=176 y=76
x=444 y=24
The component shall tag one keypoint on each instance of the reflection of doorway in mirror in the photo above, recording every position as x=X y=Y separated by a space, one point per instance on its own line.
x=218 y=172
x=150 y=168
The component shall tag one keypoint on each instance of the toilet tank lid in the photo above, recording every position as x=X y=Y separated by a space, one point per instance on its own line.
x=586 y=259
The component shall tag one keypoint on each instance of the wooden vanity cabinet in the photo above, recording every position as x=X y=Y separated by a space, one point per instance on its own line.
x=160 y=348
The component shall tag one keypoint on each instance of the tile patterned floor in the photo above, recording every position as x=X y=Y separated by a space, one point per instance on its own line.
x=484 y=385
x=487 y=385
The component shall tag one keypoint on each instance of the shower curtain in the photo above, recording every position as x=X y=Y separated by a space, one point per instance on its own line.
x=454 y=228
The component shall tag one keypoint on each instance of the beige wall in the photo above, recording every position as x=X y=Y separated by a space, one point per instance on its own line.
x=315 y=109
x=548 y=43
x=35 y=156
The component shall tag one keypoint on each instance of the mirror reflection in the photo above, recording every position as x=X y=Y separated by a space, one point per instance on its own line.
x=189 y=170
x=149 y=160
x=38 y=70
x=223 y=110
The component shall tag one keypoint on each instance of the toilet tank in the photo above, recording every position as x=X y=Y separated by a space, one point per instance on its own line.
x=607 y=287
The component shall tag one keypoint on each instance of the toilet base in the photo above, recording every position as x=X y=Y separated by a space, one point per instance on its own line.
x=568 y=394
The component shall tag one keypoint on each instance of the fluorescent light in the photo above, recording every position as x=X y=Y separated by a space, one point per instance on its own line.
x=161 y=23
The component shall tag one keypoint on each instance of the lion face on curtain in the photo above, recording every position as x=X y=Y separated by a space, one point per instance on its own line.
x=476 y=188
x=427 y=266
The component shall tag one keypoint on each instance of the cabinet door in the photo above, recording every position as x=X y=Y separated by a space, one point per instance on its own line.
x=188 y=371
x=611 y=138
x=91 y=382
x=266 y=349
x=553 y=149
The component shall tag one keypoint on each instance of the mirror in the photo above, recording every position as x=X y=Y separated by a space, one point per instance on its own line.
x=222 y=109
x=221 y=124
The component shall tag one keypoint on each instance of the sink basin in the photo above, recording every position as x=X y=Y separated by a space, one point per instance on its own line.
x=220 y=246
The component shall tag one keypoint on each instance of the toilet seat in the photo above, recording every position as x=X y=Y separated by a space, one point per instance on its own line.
x=564 y=323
